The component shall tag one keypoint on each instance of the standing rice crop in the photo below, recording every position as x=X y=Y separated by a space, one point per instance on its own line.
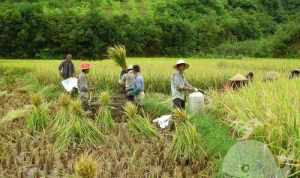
x=268 y=112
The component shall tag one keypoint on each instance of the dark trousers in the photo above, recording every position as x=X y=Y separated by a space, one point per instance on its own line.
x=130 y=98
x=179 y=103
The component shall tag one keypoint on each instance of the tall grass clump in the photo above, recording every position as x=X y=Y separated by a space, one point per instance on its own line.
x=39 y=116
x=104 y=118
x=187 y=142
x=86 y=166
x=137 y=125
x=74 y=127
x=118 y=54
x=268 y=112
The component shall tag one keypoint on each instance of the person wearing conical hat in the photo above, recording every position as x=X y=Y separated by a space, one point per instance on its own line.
x=294 y=74
x=83 y=86
x=179 y=85
x=238 y=81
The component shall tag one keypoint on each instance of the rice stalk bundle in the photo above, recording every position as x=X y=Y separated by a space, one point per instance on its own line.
x=76 y=129
x=141 y=127
x=36 y=100
x=180 y=115
x=104 y=119
x=64 y=101
x=118 y=54
x=187 y=144
x=130 y=110
x=15 y=114
x=105 y=99
x=38 y=119
x=86 y=166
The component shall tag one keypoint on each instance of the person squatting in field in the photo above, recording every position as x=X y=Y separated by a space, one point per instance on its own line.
x=83 y=86
x=179 y=85
x=66 y=68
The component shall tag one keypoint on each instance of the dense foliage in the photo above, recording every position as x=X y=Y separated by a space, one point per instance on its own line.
x=50 y=28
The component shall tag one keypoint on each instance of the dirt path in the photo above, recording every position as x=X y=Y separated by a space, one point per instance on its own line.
x=118 y=102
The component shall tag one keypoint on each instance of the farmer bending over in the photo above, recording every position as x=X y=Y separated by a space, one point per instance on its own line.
x=139 y=86
x=66 y=68
x=179 y=85
x=83 y=86
x=128 y=80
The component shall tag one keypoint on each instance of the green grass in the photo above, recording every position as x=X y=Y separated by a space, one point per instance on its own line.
x=215 y=134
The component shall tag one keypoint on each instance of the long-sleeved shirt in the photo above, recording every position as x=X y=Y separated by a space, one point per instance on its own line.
x=128 y=80
x=178 y=82
x=82 y=83
x=66 y=69
x=139 y=85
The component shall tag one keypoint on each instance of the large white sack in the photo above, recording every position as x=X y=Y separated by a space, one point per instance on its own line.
x=70 y=83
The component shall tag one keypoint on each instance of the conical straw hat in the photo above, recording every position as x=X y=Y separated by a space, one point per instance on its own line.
x=238 y=77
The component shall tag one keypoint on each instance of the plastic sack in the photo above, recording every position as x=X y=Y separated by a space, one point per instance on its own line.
x=70 y=83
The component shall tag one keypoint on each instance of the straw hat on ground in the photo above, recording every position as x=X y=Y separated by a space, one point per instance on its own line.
x=238 y=77
x=180 y=62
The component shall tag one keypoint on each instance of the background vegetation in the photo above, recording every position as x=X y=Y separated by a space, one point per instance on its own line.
x=50 y=28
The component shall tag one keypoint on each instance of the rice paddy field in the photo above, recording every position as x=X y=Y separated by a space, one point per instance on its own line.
x=44 y=133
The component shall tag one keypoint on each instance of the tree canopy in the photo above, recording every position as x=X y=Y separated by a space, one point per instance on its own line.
x=50 y=28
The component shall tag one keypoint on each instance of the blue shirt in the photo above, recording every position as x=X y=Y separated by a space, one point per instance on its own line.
x=139 y=84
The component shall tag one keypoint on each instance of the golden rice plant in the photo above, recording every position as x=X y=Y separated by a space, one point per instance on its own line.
x=130 y=110
x=64 y=101
x=118 y=54
x=179 y=115
x=36 y=100
x=86 y=166
x=268 y=112
x=75 y=107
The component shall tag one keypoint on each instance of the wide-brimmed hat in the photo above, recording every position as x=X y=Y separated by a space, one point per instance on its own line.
x=130 y=67
x=180 y=62
x=85 y=66
x=238 y=77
